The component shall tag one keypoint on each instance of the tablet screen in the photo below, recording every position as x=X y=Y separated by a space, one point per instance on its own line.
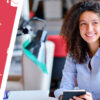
x=70 y=93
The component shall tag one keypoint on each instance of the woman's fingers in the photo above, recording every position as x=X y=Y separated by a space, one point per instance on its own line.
x=87 y=96
x=77 y=98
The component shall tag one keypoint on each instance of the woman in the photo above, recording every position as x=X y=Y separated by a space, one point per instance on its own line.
x=81 y=28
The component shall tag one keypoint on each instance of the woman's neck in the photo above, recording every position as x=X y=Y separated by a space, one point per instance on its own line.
x=93 y=48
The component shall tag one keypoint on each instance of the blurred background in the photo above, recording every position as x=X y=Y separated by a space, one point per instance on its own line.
x=24 y=74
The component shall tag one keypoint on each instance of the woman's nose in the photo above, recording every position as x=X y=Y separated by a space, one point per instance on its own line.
x=89 y=27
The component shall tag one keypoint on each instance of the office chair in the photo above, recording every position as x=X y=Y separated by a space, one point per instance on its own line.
x=60 y=54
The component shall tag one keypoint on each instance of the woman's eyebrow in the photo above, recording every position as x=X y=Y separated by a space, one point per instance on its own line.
x=80 y=21
x=91 y=20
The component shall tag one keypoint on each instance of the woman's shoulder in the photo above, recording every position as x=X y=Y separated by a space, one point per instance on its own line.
x=98 y=52
x=69 y=58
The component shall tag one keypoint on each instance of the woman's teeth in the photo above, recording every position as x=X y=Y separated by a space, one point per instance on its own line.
x=90 y=35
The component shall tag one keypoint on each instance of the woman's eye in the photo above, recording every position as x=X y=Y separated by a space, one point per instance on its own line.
x=82 y=24
x=95 y=22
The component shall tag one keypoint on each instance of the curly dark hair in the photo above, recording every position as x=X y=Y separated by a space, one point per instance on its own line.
x=76 y=46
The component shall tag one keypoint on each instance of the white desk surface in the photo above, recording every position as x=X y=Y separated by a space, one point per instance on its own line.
x=29 y=95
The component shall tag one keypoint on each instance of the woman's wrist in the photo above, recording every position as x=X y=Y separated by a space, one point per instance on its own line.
x=60 y=98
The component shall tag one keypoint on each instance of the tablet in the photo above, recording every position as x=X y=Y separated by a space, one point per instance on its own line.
x=10 y=11
x=70 y=93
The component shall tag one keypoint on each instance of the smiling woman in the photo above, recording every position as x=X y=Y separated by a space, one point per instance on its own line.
x=89 y=25
x=81 y=29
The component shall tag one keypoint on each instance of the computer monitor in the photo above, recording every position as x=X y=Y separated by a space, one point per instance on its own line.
x=10 y=11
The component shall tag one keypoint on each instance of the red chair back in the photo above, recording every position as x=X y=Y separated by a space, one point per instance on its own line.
x=60 y=45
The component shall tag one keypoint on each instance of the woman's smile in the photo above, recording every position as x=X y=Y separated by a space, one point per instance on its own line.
x=90 y=35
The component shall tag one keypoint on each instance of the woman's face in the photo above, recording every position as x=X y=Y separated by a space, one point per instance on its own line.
x=89 y=26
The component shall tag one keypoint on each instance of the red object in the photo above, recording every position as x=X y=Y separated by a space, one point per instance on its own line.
x=60 y=45
x=31 y=14
x=7 y=17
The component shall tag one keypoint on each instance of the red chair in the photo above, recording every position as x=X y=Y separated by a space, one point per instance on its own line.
x=60 y=45
x=31 y=14
x=60 y=54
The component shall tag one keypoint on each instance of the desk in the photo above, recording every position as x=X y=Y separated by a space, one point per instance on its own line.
x=30 y=95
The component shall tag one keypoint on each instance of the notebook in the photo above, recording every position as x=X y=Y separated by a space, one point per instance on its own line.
x=70 y=93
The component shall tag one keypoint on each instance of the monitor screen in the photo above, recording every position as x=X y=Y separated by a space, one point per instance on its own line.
x=10 y=11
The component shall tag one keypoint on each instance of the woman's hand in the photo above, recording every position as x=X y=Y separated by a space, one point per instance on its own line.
x=87 y=96
x=60 y=98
